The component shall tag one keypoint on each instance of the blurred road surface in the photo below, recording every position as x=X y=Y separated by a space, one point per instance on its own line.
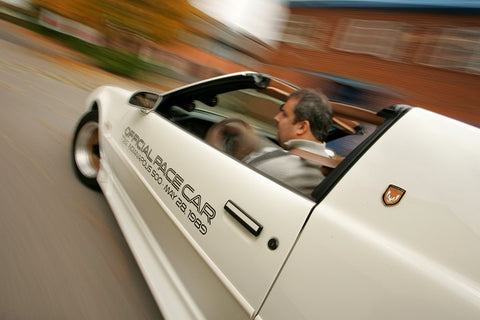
x=62 y=255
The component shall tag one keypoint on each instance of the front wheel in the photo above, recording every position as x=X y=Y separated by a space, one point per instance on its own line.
x=86 y=150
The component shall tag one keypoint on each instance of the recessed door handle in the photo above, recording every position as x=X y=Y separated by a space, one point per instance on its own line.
x=243 y=218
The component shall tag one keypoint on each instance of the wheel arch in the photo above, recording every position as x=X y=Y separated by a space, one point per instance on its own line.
x=94 y=106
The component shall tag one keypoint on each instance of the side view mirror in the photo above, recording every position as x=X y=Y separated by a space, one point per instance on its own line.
x=146 y=101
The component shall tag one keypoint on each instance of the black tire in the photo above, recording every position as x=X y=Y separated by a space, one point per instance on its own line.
x=86 y=150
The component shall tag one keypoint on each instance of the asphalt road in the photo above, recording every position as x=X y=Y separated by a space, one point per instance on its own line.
x=62 y=254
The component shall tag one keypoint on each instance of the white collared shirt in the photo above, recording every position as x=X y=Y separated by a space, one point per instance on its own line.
x=290 y=169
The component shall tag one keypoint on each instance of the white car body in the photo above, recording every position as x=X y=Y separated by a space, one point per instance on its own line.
x=345 y=254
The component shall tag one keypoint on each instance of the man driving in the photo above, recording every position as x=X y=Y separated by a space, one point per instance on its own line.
x=302 y=124
x=302 y=128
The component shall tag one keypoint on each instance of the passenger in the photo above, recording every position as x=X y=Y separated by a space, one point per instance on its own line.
x=302 y=124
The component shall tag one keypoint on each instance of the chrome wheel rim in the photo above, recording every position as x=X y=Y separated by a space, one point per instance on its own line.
x=87 y=151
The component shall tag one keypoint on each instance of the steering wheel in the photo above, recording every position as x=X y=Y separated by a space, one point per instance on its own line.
x=233 y=136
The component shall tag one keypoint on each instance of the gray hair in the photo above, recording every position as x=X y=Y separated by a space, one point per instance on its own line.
x=313 y=106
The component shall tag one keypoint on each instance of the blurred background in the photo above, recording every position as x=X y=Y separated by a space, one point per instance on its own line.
x=62 y=254
x=373 y=53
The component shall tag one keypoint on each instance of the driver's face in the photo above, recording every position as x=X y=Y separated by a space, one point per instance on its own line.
x=286 y=128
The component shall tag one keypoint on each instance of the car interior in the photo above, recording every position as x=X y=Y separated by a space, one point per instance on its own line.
x=197 y=112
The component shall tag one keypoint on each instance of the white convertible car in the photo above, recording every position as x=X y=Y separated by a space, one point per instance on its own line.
x=393 y=232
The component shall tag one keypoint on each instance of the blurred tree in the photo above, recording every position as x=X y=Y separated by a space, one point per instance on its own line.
x=155 y=20
x=128 y=26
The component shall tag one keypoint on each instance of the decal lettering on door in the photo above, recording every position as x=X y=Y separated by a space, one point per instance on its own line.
x=188 y=202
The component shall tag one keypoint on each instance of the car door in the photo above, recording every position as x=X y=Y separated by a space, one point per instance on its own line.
x=221 y=229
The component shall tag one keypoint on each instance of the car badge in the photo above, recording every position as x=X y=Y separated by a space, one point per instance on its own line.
x=393 y=195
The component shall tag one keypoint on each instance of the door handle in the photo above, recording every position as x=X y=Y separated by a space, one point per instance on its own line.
x=243 y=218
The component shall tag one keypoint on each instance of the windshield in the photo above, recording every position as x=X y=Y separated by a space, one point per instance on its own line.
x=251 y=105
